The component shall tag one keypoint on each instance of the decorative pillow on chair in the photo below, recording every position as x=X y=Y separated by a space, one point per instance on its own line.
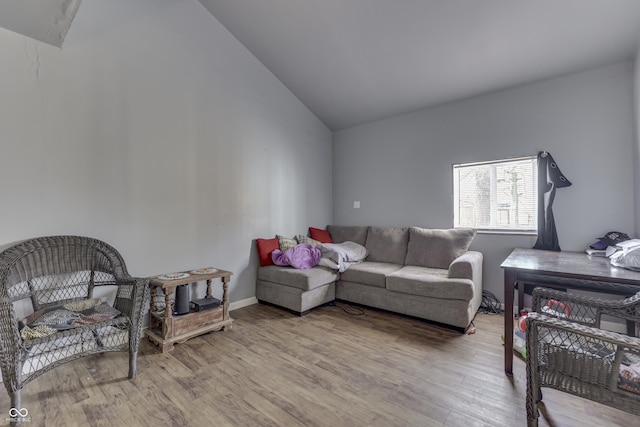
x=437 y=248
x=286 y=242
x=61 y=317
x=320 y=235
x=265 y=247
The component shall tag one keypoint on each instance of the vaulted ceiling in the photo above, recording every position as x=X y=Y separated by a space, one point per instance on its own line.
x=354 y=61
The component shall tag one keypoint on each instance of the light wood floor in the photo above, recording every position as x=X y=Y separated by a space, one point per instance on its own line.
x=326 y=369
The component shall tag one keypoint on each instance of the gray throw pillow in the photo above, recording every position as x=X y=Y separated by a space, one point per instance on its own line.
x=437 y=248
x=387 y=244
x=351 y=233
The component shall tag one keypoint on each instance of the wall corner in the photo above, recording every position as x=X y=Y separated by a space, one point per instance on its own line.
x=636 y=146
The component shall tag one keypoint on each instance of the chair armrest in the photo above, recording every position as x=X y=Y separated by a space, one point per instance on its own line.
x=584 y=309
x=10 y=339
x=467 y=266
x=132 y=296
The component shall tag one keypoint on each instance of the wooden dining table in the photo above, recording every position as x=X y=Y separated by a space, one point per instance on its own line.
x=563 y=270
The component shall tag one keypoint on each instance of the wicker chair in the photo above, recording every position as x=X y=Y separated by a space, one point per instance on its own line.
x=47 y=272
x=567 y=350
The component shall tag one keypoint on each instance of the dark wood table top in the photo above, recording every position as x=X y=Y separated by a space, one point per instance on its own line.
x=569 y=264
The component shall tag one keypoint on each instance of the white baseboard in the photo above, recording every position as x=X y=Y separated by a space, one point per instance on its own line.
x=243 y=303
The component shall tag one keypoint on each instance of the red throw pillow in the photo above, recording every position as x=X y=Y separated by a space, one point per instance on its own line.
x=265 y=247
x=320 y=235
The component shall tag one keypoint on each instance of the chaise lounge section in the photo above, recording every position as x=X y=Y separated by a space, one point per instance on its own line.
x=296 y=290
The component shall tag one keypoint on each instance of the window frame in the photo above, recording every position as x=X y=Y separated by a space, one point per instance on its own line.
x=533 y=230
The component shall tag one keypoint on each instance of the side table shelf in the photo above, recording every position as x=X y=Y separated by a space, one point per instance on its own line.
x=166 y=329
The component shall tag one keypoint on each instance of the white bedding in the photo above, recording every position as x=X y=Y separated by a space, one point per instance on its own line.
x=340 y=256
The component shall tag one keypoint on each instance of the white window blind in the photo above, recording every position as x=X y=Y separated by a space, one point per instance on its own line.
x=496 y=196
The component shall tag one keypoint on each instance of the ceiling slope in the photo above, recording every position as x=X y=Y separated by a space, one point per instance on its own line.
x=45 y=20
x=356 y=61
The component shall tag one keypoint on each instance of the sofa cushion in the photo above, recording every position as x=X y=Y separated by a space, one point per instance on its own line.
x=437 y=248
x=429 y=282
x=320 y=235
x=387 y=244
x=265 y=248
x=370 y=273
x=343 y=233
x=302 y=279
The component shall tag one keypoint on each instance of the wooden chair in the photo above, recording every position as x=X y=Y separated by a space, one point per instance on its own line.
x=44 y=274
x=567 y=350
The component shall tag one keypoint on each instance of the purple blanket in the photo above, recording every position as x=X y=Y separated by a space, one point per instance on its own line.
x=301 y=256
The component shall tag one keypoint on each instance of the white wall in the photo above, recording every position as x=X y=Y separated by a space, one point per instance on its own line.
x=400 y=168
x=155 y=130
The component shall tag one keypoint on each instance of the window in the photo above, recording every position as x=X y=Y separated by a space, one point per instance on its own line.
x=496 y=196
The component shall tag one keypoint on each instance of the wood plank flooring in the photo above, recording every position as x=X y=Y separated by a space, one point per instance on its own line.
x=326 y=369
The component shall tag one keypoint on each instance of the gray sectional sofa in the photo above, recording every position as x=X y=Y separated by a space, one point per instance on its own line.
x=425 y=273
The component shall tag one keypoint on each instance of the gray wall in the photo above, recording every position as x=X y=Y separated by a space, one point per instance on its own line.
x=400 y=168
x=156 y=130
x=636 y=70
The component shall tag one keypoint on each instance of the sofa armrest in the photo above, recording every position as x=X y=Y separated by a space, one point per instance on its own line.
x=467 y=266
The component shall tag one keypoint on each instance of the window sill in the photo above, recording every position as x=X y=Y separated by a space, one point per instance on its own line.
x=508 y=232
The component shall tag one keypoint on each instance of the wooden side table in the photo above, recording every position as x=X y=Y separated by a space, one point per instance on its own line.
x=165 y=328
